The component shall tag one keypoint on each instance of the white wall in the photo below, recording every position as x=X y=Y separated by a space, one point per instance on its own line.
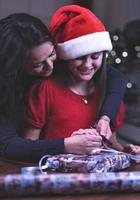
x=114 y=13
x=40 y=8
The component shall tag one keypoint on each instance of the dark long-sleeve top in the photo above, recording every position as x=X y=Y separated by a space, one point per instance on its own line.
x=14 y=147
x=115 y=90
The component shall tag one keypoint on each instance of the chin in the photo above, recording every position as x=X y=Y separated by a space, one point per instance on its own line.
x=86 y=78
x=46 y=74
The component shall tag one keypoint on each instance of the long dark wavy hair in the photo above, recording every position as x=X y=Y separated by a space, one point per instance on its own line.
x=19 y=33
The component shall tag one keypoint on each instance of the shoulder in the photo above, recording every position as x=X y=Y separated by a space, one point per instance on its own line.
x=46 y=85
x=112 y=69
x=42 y=84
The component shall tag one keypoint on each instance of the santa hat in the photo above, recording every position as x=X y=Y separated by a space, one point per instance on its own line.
x=78 y=32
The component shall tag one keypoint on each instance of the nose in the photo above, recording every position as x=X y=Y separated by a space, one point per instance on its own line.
x=88 y=61
x=48 y=63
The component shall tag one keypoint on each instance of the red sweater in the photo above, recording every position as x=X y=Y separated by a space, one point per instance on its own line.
x=57 y=111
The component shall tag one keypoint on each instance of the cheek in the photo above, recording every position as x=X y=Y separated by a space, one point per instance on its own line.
x=98 y=63
x=73 y=65
x=52 y=63
x=54 y=58
x=33 y=71
x=36 y=70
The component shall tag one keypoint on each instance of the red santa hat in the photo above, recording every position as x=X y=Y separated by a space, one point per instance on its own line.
x=78 y=32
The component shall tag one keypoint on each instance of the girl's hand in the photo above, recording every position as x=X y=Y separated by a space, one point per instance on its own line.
x=130 y=148
x=103 y=127
x=91 y=131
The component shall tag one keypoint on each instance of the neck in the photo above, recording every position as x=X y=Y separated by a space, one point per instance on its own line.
x=81 y=87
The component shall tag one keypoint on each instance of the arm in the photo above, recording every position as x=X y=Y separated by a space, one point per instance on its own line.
x=35 y=112
x=116 y=84
x=16 y=148
x=115 y=90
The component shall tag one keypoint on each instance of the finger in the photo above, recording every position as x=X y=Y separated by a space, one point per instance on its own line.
x=76 y=133
x=95 y=144
x=95 y=125
x=131 y=148
x=108 y=133
x=102 y=129
x=90 y=132
x=135 y=149
x=79 y=132
x=94 y=138
x=93 y=132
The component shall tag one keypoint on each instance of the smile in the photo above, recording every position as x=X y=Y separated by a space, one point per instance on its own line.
x=87 y=71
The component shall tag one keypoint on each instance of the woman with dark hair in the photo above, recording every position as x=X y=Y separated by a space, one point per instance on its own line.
x=20 y=34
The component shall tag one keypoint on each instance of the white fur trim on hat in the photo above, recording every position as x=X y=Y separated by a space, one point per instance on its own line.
x=84 y=45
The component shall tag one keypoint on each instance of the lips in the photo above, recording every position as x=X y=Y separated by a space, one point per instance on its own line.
x=86 y=71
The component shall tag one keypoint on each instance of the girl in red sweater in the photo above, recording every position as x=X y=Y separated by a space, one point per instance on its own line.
x=71 y=99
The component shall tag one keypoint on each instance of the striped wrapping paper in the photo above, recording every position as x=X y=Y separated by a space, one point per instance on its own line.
x=69 y=183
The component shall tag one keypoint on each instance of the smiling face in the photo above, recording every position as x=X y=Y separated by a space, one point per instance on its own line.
x=84 y=68
x=41 y=60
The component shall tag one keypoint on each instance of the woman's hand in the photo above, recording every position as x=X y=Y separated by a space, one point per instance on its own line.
x=103 y=127
x=83 y=141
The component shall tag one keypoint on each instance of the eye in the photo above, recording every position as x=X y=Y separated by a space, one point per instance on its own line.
x=95 y=55
x=37 y=65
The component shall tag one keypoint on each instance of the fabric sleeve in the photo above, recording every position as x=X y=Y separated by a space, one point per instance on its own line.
x=115 y=90
x=119 y=118
x=14 y=147
x=37 y=108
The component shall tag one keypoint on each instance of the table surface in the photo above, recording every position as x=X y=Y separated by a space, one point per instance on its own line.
x=11 y=167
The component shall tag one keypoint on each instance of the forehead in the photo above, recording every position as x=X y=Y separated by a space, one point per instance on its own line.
x=43 y=50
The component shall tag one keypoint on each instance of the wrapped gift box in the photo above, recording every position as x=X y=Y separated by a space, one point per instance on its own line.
x=101 y=162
